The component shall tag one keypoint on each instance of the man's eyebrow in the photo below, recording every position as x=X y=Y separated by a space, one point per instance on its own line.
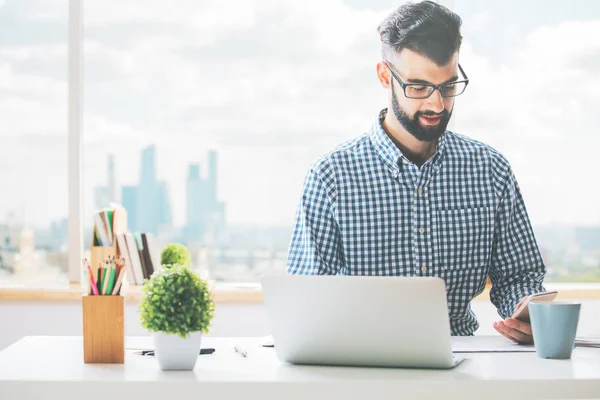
x=424 y=82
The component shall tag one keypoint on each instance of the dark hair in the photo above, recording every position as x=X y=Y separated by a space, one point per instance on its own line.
x=427 y=28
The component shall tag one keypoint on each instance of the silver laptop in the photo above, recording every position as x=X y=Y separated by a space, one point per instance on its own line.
x=359 y=320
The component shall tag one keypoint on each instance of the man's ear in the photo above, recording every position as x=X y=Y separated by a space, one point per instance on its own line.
x=384 y=75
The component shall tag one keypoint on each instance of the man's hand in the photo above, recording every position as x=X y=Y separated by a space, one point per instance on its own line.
x=514 y=329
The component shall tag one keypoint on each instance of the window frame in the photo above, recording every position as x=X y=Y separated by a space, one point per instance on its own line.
x=75 y=148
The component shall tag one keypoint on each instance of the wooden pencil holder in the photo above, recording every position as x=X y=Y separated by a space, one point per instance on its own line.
x=103 y=329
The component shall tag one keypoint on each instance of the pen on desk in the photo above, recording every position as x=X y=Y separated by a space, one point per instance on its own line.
x=240 y=351
x=151 y=352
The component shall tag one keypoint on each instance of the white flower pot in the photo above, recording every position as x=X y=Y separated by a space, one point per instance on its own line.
x=175 y=353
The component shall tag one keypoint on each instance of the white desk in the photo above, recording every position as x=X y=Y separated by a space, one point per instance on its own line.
x=53 y=368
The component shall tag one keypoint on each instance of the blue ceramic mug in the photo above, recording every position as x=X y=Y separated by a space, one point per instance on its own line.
x=554 y=326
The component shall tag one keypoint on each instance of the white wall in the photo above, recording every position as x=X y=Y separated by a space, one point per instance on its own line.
x=23 y=318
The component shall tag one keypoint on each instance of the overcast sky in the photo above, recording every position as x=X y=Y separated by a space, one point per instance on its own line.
x=272 y=85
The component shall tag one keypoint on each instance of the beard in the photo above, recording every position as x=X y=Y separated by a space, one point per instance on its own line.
x=414 y=126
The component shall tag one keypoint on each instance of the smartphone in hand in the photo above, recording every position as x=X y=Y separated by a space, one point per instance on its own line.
x=522 y=313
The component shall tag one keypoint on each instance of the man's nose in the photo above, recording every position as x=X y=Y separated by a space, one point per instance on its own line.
x=436 y=101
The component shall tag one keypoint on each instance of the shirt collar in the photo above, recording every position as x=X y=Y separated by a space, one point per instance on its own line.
x=390 y=153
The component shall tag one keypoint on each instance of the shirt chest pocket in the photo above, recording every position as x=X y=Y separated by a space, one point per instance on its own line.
x=463 y=237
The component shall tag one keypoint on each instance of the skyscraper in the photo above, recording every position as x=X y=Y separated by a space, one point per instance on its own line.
x=165 y=218
x=212 y=178
x=153 y=208
x=203 y=211
x=148 y=170
x=100 y=197
x=194 y=172
x=196 y=203
x=129 y=201
x=147 y=203
x=104 y=195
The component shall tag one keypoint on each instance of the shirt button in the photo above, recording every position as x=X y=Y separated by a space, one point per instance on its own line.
x=420 y=191
x=395 y=173
x=421 y=230
x=423 y=268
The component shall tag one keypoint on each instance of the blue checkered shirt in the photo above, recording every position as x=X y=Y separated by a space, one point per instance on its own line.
x=367 y=210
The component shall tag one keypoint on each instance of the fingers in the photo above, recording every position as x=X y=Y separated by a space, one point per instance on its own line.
x=512 y=333
x=501 y=331
x=522 y=326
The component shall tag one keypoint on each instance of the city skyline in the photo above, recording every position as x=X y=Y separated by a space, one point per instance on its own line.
x=231 y=252
x=205 y=214
x=148 y=203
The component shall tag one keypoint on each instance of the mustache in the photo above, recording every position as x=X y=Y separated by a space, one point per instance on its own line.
x=429 y=113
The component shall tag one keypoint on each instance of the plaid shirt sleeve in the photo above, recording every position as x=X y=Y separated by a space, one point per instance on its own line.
x=315 y=246
x=517 y=269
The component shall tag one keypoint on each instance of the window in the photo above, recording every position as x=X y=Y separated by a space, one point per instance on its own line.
x=202 y=119
x=534 y=95
x=33 y=145
x=209 y=115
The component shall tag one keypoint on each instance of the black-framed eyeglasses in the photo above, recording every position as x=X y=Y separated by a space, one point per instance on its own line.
x=424 y=90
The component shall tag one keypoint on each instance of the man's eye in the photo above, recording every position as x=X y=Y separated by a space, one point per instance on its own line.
x=418 y=88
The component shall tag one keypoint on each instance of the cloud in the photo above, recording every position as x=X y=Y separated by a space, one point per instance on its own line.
x=481 y=21
x=254 y=85
x=31 y=104
x=33 y=22
x=273 y=84
x=538 y=109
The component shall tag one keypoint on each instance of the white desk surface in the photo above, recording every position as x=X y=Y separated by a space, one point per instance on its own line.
x=45 y=367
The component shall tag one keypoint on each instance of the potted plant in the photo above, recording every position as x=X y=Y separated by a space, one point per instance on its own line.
x=177 y=308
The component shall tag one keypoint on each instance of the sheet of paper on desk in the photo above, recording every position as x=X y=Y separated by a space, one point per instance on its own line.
x=487 y=344
x=267 y=341
x=590 y=341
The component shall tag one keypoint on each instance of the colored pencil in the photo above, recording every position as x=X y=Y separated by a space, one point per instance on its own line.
x=92 y=281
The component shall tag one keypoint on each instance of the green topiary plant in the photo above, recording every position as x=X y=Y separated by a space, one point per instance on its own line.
x=176 y=301
x=175 y=254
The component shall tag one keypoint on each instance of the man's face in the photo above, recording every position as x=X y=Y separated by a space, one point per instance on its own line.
x=425 y=119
